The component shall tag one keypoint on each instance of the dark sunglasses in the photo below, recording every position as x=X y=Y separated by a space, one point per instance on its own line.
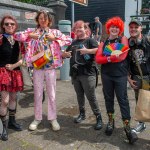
x=7 y=24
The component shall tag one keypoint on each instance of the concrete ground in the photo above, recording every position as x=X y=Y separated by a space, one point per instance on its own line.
x=71 y=136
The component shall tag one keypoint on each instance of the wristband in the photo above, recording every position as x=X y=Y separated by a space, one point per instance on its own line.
x=108 y=59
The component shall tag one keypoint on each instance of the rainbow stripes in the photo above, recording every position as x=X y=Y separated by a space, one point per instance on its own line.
x=109 y=49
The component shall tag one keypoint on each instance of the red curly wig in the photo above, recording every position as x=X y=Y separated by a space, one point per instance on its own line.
x=116 y=21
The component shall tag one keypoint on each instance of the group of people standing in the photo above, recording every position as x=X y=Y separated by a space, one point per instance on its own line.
x=116 y=70
x=84 y=53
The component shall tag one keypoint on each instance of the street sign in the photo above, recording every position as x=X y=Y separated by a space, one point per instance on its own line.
x=81 y=2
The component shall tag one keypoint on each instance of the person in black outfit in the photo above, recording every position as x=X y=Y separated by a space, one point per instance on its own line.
x=114 y=71
x=83 y=71
x=140 y=46
x=11 y=80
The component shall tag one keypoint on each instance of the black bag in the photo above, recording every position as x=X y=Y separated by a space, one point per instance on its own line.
x=142 y=83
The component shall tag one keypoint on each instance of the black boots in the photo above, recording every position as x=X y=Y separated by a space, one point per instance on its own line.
x=81 y=116
x=12 y=121
x=4 y=135
x=131 y=136
x=13 y=125
x=99 y=124
x=110 y=124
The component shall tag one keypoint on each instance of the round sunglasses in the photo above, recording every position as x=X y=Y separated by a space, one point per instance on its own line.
x=8 y=23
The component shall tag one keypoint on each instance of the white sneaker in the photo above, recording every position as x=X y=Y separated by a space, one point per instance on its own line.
x=33 y=126
x=55 y=125
x=139 y=128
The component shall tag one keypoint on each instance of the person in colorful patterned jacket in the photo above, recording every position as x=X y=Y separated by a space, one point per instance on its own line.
x=49 y=40
x=11 y=80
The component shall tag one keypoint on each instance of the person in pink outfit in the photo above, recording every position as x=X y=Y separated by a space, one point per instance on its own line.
x=50 y=40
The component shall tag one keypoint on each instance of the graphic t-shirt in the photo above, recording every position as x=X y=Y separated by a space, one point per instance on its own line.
x=78 y=63
x=141 y=60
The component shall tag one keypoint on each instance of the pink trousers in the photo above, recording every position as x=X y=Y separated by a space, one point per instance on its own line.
x=49 y=76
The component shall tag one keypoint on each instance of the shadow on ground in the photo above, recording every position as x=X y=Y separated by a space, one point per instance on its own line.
x=71 y=133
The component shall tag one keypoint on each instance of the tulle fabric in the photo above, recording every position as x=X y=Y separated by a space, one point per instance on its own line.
x=11 y=81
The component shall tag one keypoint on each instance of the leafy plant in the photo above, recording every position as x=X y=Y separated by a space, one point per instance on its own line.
x=36 y=2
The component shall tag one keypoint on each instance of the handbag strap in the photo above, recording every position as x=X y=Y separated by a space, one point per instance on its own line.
x=138 y=65
x=41 y=36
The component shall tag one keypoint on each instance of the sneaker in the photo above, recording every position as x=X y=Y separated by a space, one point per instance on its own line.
x=139 y=128
x=131 y=136
x=110 y=128
x=55 y=125
x=33 y=126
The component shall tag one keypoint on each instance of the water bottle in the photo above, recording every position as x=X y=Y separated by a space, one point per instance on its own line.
x=86 y=56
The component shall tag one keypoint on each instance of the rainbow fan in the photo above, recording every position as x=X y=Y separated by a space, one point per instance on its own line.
x=115 y=49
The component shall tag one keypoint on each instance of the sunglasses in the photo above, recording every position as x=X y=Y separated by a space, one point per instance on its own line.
x=7 y=24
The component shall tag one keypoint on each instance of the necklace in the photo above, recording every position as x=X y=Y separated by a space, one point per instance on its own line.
x=110 y=40
x=10 y=39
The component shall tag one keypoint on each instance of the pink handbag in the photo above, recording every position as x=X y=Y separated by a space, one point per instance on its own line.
x=37 y=56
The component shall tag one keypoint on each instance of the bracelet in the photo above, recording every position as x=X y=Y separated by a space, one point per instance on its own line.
x=108 y=59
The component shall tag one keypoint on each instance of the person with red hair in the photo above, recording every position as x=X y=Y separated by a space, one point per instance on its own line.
x=83 y=71
x=114 y=71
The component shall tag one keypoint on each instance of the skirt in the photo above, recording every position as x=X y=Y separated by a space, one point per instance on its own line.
x=11 y=81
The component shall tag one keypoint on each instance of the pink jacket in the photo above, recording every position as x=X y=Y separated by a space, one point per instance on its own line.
x=34 y=46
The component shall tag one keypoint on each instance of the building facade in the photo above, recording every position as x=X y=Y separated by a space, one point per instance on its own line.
x=105 y=9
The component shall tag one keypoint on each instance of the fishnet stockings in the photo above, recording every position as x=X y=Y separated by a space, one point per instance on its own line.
x=7 y=98
x=12 y=101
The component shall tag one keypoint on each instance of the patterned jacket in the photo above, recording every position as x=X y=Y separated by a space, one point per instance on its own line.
x=53 y=47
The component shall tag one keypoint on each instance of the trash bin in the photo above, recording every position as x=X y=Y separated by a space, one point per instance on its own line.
x=65 y=28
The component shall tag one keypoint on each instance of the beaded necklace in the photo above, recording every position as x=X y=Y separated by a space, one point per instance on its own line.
x=10 y=39
x=115 y=40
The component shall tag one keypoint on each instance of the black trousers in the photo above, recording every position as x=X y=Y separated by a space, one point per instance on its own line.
x=116 y=85
x=85 y=86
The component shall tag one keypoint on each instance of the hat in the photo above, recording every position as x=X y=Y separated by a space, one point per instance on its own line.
x=96 y=17
x=136 y=22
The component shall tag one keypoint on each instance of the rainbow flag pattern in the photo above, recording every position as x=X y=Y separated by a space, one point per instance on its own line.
x=114 y=49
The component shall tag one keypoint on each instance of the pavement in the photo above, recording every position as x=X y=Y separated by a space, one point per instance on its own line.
x=71 y=136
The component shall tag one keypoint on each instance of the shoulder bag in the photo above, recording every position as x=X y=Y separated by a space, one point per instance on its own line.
x=142 y=110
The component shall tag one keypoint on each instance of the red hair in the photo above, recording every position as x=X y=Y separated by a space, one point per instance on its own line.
x=116 y=21
x=8 y=17
x=86 y=27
